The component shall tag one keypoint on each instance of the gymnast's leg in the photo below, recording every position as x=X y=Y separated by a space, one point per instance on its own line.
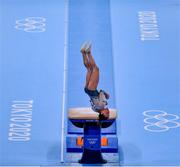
x=94 y=76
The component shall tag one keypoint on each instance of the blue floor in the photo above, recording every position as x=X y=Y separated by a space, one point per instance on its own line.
x=147 y=77
x=142 y=76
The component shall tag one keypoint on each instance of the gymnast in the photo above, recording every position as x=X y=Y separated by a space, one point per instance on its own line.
x=98 y=99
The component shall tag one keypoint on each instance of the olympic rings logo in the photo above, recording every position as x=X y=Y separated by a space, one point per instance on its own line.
x=31 y=24
x=92 y=141
x=160 y=121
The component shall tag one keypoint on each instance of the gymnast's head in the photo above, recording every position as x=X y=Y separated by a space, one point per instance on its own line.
x=104 y=114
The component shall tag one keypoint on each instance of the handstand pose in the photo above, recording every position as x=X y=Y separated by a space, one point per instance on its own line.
x=98 y=99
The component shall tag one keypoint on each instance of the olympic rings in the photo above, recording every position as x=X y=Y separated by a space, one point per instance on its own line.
x=31 y=24
x=160 y=121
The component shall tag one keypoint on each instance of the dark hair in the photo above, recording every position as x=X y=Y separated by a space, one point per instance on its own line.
x=102 y=117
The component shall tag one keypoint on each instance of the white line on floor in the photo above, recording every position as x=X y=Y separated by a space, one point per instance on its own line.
x=64 y=79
